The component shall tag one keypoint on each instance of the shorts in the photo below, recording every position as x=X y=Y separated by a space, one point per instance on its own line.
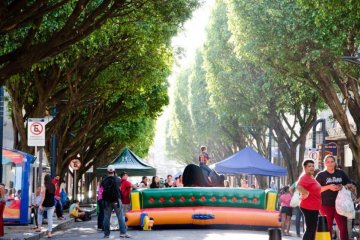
x=286 y=210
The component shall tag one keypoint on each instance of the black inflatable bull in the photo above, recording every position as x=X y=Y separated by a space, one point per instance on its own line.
x=194 y=176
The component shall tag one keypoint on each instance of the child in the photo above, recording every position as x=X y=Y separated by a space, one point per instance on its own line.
x=286 y=210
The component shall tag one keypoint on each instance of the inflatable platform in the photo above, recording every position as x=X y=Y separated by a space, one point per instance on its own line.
x=204 y=206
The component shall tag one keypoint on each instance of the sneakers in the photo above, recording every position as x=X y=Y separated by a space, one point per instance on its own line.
x=106 y=236
x=125 y=235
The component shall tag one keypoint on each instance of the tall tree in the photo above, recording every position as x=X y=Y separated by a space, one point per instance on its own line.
x=256 y=96
x=115 y=77
x=306 y=41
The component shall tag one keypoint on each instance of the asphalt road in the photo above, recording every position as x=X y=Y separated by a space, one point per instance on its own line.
x=88 y=231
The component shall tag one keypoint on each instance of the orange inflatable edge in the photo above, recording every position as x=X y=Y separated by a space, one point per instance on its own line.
x=206 y=215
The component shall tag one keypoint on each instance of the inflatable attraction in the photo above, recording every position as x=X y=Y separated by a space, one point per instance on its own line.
x=204 y=206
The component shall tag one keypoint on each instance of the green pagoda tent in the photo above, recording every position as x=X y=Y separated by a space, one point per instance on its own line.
x=128 y=162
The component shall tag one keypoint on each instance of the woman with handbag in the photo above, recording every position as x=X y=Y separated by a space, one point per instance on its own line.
x=332 y=181
x=310 y=199
x=75 y=211
x=295 y=203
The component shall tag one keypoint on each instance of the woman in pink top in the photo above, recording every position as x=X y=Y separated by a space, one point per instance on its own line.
x=310 y=199
x=286 y=210
x=100 y=203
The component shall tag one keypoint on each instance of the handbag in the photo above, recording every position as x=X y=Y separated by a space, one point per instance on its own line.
x=344 y=204
x=295 y=199
x=74 y=213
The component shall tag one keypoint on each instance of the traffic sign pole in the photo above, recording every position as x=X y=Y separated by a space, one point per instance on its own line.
x=75 y=165
x=75 y=185
x=40 y=164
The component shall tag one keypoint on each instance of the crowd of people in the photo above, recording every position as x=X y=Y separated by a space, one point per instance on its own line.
x=318 y=192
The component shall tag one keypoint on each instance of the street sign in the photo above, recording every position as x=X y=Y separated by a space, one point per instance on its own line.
x=314 y=155
x=75 y=164
x=36 y=131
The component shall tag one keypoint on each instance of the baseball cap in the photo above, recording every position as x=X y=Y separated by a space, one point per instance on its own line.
x=111 y=168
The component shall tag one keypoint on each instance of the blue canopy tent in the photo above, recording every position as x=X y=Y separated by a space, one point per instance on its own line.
x=248 y=161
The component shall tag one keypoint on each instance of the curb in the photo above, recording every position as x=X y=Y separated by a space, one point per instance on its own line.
x=36 y=235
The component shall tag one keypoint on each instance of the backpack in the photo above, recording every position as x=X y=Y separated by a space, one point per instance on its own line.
x=111 y=191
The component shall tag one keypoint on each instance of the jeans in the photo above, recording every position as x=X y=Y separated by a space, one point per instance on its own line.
x=58 y=208
x=341 y=221
x=50 y=213
x=311 y=218
x=116 y=206
x=298 y=216
x=206 y=168
x=34 y=210
x=100 y=219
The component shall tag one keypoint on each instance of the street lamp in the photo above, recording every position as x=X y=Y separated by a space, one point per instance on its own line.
x=323 y=134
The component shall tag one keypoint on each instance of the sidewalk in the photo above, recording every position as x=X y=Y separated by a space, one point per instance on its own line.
x=27 y=232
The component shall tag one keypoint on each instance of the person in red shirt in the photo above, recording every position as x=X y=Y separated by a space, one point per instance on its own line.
x=125 y=188
x=58 y=205
x=310 y=199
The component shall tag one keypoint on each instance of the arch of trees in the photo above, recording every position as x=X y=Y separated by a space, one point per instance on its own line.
x=269 y=65
x=101 y=65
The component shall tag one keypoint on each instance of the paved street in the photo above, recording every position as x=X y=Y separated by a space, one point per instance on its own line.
x=87 y=230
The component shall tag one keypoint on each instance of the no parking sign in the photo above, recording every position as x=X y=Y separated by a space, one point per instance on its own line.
x=36 y=131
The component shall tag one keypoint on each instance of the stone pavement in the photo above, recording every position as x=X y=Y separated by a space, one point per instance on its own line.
x=27 y=232
x=15 y=232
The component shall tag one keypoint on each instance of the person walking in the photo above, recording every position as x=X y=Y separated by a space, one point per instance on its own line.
x=47 y=204
x=58 y=205
x=310 y=199
x=112 y=201
x=332 y=180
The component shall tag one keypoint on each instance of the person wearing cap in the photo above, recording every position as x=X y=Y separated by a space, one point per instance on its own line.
x=109 y=206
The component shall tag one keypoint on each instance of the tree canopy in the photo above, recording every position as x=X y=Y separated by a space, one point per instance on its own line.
x=107 y=89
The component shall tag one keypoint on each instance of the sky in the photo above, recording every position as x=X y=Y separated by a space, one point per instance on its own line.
x=190 y=39
x=194 y=33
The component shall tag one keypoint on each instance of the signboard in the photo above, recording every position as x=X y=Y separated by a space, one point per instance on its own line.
x=36 y=131
x=348 y=156
x=75 y=164
x=330 y=147
x=314 y=155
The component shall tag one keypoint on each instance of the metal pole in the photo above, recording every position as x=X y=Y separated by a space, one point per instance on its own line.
x=75 y=186
x=323 y=130
x=40 y=165
x=53 y=145
x=1 y=129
